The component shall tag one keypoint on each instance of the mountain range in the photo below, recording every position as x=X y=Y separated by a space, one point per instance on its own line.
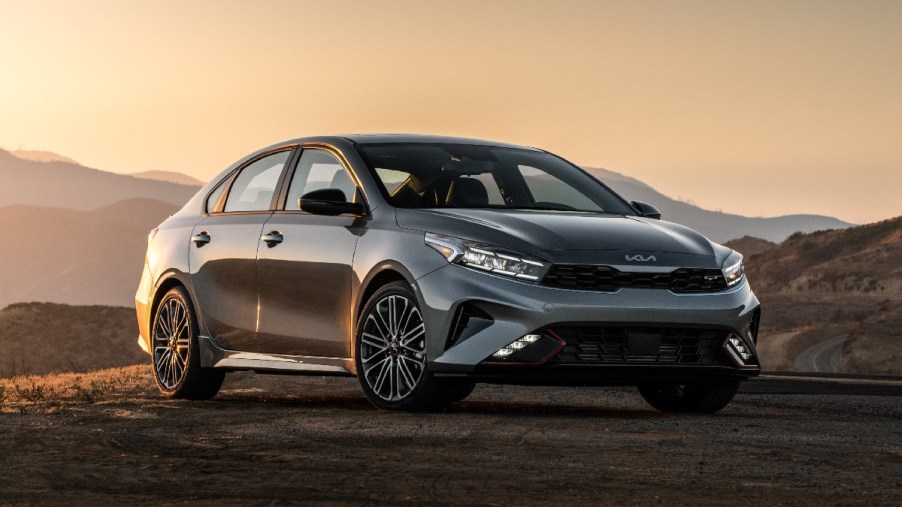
x=716 y=225
x=46 y=179
x=60 y=184
x=77 y=257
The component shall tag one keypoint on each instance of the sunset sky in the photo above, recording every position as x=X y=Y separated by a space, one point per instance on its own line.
x=759 y=108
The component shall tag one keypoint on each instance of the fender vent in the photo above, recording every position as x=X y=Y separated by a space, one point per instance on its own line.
x=468 y=320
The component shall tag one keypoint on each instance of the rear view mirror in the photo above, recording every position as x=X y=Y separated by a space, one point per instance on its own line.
x=329 y=201
x=647 y=210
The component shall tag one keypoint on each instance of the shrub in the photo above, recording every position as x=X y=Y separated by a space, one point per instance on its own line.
x=32 y=392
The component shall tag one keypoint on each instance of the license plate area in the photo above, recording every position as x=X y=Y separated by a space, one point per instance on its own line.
x=643 y=344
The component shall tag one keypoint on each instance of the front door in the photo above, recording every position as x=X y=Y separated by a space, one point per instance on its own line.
x=305 y=279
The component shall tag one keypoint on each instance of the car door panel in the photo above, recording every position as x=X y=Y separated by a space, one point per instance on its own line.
x=223 y=272
x=306 y=285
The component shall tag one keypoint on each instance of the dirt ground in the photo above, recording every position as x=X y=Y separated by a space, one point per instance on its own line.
x=278 y=440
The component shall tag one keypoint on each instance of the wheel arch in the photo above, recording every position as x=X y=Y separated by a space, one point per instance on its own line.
x=381 y=275
x=167 y=281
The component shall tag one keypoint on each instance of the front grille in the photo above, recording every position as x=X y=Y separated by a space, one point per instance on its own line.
x=608 y=279
x=603 y=344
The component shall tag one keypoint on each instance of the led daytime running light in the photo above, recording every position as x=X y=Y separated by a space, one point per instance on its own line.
x=487 y=258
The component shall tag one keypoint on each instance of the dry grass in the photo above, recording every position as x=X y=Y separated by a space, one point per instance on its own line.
x=115 y=384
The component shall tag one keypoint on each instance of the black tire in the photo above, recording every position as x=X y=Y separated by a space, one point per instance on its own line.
x=184 y=377
x=428 y=392
x=706 y=398
x=460 y=389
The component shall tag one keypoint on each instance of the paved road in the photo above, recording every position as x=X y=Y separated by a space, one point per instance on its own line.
x=821 y=357
x=274 y=440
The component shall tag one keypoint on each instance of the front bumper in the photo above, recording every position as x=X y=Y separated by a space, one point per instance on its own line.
x=519 y=308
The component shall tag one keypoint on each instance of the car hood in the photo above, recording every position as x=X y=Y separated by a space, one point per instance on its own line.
x=562 y=236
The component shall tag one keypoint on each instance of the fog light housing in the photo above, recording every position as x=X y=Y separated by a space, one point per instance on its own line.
x=530 y=349
x=739 y=351
x=517 y=345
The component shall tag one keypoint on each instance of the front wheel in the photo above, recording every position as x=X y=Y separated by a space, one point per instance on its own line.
x=176 y=355
x=707 y=398
x=391 y=357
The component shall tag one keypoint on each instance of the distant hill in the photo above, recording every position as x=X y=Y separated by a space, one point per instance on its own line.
x=170 y=176
x=76 y=257
x=715 y=225
x=865 y=259
x=749 y=246
x=39 y=338
x=842 y=286
x=41 y=156
x=68 y=185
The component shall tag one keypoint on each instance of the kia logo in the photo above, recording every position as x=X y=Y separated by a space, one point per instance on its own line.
x=641 y=258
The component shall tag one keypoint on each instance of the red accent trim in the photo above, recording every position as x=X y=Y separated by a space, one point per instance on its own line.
x=548 y=332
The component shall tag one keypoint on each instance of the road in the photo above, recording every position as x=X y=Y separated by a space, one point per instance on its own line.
x=821 y=357
x=275 y=440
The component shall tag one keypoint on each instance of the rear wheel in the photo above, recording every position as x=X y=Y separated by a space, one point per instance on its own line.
x=391 y=354
x=708 y=398
x=176 y=356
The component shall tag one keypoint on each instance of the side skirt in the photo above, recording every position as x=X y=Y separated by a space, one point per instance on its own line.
x=213 y=356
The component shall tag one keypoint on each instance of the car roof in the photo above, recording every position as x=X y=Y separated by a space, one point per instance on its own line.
x=415 y=138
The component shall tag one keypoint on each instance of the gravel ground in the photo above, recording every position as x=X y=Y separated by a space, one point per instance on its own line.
x=271 y=440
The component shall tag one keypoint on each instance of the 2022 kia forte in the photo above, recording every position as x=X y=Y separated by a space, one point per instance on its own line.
x=424 y=265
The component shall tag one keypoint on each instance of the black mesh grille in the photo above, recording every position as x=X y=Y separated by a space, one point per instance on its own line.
x=600 y=344
x=608 y=279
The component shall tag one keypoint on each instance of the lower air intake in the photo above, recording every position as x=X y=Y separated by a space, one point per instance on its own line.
x=603 y=344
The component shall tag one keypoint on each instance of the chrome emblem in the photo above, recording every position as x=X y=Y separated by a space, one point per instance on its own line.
x=641 y=258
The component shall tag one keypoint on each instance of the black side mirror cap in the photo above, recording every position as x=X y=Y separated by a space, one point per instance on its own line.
x=647 y=210
x=329 y=201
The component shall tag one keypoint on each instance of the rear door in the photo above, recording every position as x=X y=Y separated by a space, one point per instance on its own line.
x=306 y=279
x=224 y=250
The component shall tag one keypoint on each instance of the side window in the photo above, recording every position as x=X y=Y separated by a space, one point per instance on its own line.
x=318 y=169
x=254 y=187
x=549 y=189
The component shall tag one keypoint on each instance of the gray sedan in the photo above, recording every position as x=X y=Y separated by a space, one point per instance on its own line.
x=424 y=265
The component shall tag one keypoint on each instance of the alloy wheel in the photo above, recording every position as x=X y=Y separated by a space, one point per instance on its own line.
x=393 y=347
x=172 y=342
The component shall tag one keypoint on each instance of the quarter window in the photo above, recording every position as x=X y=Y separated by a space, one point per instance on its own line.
x=213 y=200
x=254 y=187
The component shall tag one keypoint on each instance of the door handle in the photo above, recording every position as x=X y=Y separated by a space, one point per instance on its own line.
x=201 y=239
x=272 y=239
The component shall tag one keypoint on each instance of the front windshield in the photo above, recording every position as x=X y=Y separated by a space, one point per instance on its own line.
x=421 y=175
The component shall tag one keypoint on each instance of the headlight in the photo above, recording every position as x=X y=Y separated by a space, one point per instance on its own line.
x=487 y=257
x=733 y=270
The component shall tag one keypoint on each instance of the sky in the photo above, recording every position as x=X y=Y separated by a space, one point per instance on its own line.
x=758 y=108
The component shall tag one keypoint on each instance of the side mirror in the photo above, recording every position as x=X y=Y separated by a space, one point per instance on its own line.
x=647 y=210
x=329 y=201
